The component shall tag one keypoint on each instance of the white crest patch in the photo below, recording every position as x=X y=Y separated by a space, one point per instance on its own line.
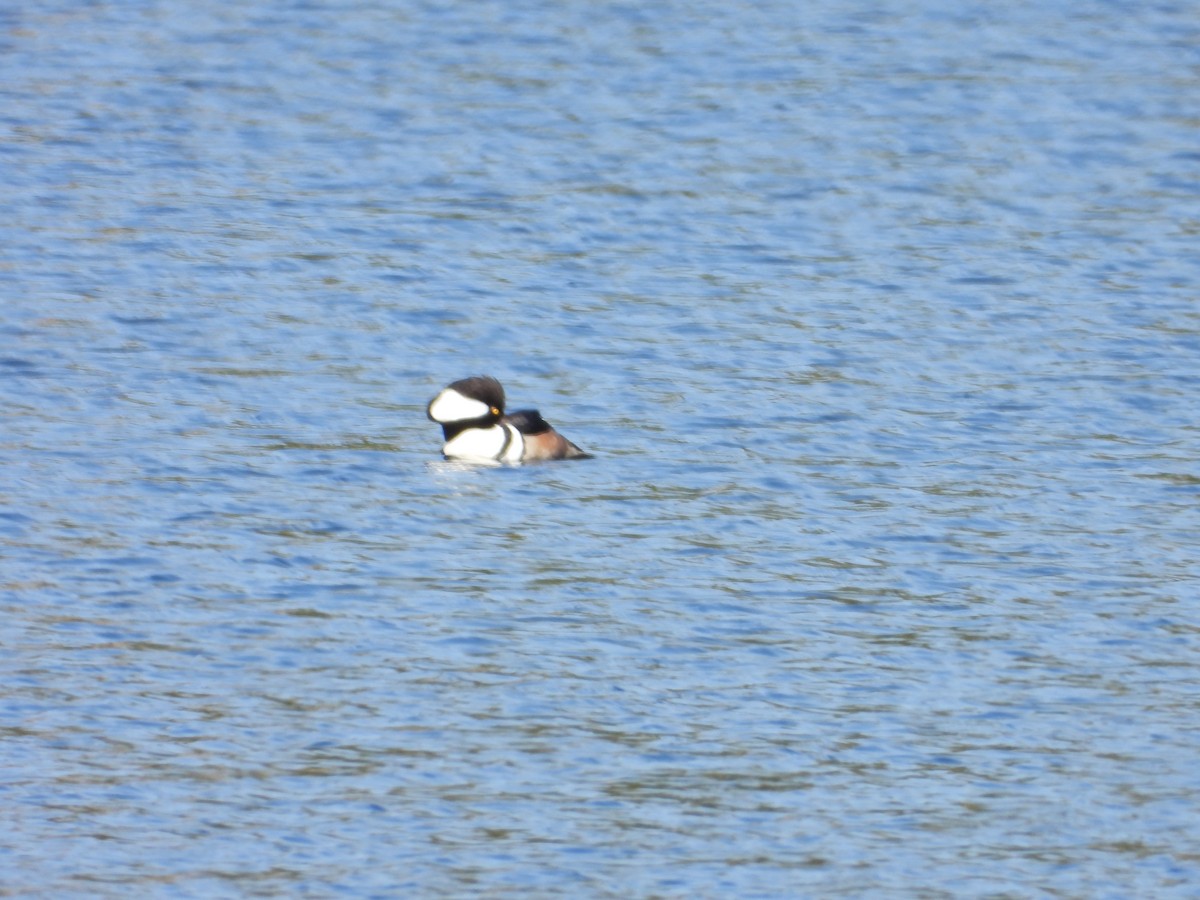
x=477 y=444
x=451 y=406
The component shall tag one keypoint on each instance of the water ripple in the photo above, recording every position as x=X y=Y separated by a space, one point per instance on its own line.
x=880 y=323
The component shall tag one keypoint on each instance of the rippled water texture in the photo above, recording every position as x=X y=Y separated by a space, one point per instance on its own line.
x=880 y=319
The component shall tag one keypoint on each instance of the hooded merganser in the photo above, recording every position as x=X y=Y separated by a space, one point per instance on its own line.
x=476 y=428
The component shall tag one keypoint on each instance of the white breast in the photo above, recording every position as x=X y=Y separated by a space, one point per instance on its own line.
x=516 y=445
x=498 y=443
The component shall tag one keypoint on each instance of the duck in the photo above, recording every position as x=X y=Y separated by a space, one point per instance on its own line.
x=477 y=429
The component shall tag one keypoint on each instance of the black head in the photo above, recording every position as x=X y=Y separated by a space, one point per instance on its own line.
x=484 y=388
x=475 y=402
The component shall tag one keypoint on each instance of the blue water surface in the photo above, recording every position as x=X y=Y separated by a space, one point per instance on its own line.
x=881 y=320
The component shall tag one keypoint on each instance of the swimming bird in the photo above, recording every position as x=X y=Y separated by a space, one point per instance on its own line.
x=476 y=428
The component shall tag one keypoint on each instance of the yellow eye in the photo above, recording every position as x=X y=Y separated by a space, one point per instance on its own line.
x=495 y=411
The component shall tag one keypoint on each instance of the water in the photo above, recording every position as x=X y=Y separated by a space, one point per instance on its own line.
x=880 y=320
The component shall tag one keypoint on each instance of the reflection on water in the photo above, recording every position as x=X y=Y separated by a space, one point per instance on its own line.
x=880 y=324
